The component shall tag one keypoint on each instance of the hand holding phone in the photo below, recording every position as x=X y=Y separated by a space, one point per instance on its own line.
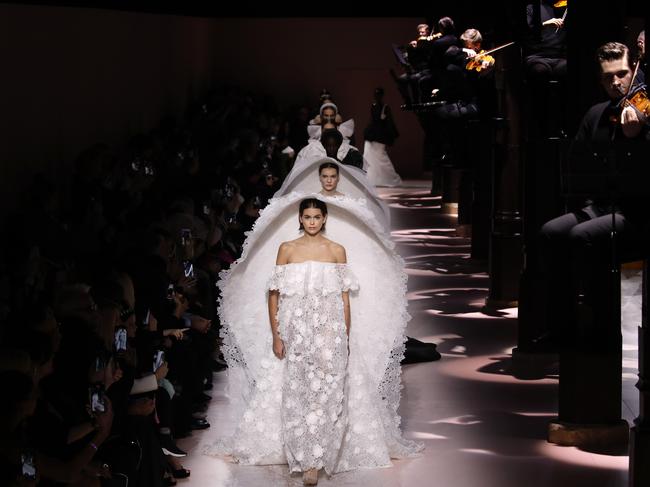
x=97 y=399
x=120 y=340
x=171 y=293
x=188 y=269
x=158 y=359
x=28 y=465
x=186 y=236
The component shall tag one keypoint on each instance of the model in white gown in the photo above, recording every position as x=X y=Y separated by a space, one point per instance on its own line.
x=257 y=379
x=380 y=133
x=314 y=408
x=380 y=168
x=314 y=149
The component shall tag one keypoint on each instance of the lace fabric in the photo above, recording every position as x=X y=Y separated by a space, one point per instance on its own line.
x=312 y=326
x=257 y=380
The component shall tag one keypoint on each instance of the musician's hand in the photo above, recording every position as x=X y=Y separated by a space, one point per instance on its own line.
x=413 y=43
x=557 y=23
x=630 y=123
x=470 y=52
x=434 y=92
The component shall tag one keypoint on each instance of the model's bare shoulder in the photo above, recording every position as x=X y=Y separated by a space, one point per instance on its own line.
x=339 y=252
x=284 y=252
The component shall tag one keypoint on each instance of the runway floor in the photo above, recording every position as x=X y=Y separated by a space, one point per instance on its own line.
x=482 y=427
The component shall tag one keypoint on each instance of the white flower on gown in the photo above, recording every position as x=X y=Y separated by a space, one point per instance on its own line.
x=256 y=379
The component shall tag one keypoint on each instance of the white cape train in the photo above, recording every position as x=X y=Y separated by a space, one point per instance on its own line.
x=379 y=317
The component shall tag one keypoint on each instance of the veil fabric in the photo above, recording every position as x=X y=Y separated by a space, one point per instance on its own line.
x=353 y=182
x=346 y=129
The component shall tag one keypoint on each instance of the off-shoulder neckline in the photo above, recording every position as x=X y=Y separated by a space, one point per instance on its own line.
x=309 y=261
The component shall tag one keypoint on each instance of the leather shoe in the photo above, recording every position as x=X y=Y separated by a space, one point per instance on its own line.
x=199 y=424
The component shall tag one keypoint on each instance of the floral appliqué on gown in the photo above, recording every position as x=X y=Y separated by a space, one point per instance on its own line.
x=312 y=325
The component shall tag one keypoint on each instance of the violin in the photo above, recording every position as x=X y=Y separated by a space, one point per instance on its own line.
x=637 y=98
x=437 y=35
x=483 y=60
x=640 y=102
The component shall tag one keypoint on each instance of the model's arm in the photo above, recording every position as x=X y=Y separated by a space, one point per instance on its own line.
x=278 y=344
x=274 y=296
x=346 y=310
x=341 y=258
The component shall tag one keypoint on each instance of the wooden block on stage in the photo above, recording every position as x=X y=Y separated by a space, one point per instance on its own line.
x=634 y=266
x=589 y=435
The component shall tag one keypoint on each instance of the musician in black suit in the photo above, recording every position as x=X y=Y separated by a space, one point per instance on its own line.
x=545 y=46
x=457 y=88
x=576 y=248
x=418 y=53
x=437 y=61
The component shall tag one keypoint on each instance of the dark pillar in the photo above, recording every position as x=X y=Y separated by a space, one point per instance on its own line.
x=505 y=236
x=482 y=191
x=542 y=197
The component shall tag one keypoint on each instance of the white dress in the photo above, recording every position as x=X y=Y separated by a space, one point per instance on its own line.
x=380 y=168
x=311 y=323
x=256 y=378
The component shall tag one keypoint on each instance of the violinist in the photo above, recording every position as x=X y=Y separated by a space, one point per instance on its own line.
x=423 y=35
x=616 y=74
x=418 y=53
x=472 y=40
x=455 y=82
x=545 y=46
x=457 y=88
x=576 y=248
x=439 y=46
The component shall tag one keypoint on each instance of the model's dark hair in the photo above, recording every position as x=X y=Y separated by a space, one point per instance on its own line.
x=332 y=134
x=327 y=165
x=612 y=51
x=312 y=203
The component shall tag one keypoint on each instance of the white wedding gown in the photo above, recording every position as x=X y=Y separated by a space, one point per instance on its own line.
x=311 y=323
x=271 y=430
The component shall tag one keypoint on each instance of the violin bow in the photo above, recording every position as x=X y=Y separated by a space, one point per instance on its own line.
x=497 y=48
x=563 y=17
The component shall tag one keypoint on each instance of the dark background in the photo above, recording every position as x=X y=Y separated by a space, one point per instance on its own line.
x=75 y=73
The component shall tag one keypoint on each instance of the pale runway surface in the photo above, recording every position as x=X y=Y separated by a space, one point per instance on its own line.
x=481 y=426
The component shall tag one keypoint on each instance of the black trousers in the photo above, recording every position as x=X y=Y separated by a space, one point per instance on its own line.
x=544 y=68
x=413 y=86
x=576 y=259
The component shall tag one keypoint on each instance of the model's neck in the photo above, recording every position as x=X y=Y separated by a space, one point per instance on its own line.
x=312 y=239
